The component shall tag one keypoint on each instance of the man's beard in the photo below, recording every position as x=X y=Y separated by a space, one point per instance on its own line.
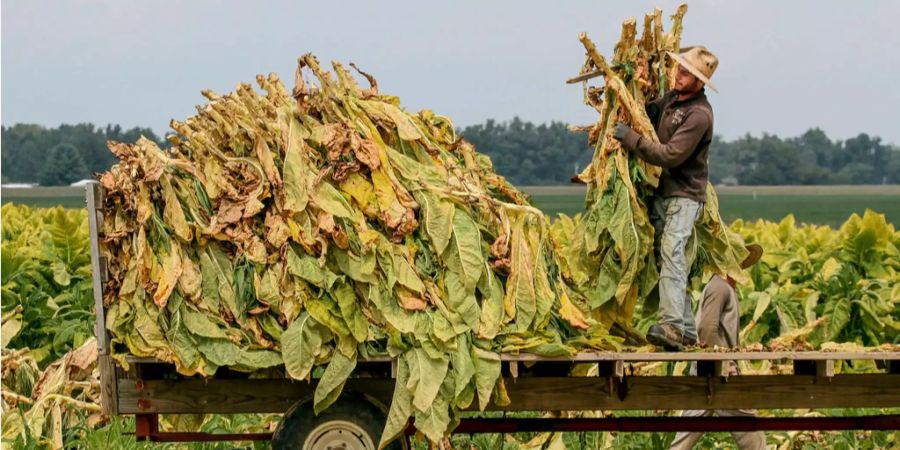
x=689 y=89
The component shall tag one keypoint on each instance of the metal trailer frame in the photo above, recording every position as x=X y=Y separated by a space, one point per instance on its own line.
x=533 y=383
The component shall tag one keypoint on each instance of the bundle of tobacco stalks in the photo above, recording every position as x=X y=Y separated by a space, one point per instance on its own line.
x=607 y=252
x=325 y=225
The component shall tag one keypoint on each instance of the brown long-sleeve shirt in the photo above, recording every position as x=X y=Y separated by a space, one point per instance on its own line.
x=685 y=130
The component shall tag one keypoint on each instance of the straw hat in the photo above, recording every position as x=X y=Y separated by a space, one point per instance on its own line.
x=756 y=252
x=699 y=61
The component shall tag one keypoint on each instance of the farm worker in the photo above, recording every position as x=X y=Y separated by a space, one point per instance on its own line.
x=718 y=323
x=684 y=124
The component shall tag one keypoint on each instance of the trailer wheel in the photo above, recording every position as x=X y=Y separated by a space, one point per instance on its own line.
x=353 y=422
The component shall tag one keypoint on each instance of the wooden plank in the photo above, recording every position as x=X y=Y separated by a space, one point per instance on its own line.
x=669 y=356
x=93 y=197
x=537 y=394
x=708 y=356
x=109 y=401
x=231 y=396
x=676 y=393
x=94 y=201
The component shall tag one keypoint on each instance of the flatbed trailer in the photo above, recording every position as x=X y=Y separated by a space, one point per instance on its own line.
x=533 y=383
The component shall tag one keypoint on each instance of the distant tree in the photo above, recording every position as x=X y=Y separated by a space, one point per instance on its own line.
x=64 y=165
x=892 y=168
x=26 y=147
x=529 y=154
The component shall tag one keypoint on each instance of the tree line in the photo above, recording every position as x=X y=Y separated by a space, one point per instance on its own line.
x=62 y=155
x=523 y=152
x=529 y=154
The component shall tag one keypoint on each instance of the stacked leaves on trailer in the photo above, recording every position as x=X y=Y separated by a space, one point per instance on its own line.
x=325 y=225
x=606 y=253
x=313 y=228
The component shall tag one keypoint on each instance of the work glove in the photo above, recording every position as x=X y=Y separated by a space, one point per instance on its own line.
x=621 y=131
x=653 y=113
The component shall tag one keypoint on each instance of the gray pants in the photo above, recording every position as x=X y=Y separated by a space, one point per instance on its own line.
x=673 y=218
x=746 y=440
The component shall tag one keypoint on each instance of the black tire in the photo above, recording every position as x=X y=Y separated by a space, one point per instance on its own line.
x=353 y=420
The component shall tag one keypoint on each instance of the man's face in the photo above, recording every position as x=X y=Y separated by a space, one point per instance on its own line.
x=686 y=82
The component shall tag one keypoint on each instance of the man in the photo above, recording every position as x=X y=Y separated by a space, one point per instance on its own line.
x=718 y=320
x=684 y=125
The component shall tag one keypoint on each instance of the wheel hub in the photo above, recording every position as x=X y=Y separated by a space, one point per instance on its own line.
x=338 y=435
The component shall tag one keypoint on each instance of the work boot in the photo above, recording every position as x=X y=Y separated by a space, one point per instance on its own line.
x=666 y=336
x=688 y=341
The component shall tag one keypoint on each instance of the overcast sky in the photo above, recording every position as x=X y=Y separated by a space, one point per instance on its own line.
x=784 y=66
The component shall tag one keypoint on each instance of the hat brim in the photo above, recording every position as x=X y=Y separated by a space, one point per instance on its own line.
x=756 y=252
x=692 y=70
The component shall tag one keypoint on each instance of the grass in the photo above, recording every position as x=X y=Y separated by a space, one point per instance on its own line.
x=826 y=205
x=69 y=197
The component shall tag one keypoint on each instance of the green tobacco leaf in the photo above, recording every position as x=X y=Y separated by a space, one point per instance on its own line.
x=463 y=370
x=434 y=419
x=838 y=312
x=406 y=274
x=307 y=267
x=332 y=382
x=401 y=403
x=763 y=299
x=491 y=318
x=10 y=328
x=546 y=297
x=521 y=300
x=222 y=279
x=174 y=214
x=330 y=200
x=267 y=289
x=358 y=268
x=225 y=353
x=61 y=273
x=404 y=321
x=199 y=324
x=190 y=283
x=460 y=302
x=463 y=255
x=864 y=240
x=350 y=311
x=296 y=172
x=487 y=372
x=431 y=373
x=328 y=313
x=438 y=220
x=405 y=127
x=209 y=282
x=301 y=344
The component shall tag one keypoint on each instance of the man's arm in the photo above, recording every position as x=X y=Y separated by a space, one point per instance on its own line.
x=679 y=147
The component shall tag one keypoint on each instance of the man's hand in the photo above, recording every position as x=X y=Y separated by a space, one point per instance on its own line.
x=621 y=131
